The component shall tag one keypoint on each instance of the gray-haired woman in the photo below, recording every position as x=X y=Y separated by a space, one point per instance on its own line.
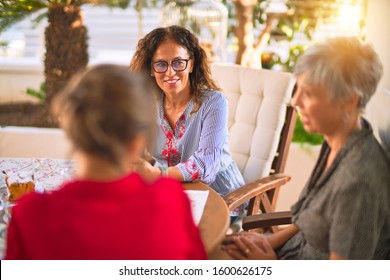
x=344 y=209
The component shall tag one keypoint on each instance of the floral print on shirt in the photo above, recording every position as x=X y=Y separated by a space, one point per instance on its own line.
x=170 y=151
x=192 y=169
x=197 y=145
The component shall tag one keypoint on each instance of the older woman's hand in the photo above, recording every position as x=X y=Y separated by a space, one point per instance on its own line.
x=249 y=246
x=228 y=241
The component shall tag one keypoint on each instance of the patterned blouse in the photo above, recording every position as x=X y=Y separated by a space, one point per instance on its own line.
x=345 y=209
x=198 y=144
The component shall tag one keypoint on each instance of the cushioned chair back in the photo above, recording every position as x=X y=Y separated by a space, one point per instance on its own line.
x=258 y=100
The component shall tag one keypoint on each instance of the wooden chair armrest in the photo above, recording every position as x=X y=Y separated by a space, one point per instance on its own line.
x=244 y=193
x=266 y=220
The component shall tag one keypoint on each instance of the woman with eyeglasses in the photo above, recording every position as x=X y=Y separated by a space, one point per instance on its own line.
x=192 y=135
x=106 y=114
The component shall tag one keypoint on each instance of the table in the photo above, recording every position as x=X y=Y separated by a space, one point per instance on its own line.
x=215 y=220
x=50 y=173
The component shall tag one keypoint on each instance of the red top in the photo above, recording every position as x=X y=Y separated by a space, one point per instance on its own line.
x=123 y=219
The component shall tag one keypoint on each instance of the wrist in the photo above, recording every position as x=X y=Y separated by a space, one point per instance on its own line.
x=163 y=170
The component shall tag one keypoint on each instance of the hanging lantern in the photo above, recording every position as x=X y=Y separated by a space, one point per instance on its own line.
x=205 y=18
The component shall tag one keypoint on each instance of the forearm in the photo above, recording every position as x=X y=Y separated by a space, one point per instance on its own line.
x=279 y=238
x=174 y=172
x=155 y=172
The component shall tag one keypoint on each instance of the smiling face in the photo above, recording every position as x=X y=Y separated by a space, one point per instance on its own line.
x=319 y=113
x=171 y=82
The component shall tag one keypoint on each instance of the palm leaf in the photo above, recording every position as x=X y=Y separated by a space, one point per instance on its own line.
x=13 y=11
x=117 y=3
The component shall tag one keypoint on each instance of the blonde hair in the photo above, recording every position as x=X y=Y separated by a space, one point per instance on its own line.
x=104 y=108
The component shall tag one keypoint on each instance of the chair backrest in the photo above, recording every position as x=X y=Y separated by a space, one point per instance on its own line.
x=261 y=123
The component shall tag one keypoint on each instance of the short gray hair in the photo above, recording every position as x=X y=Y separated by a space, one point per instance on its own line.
x=345 y=66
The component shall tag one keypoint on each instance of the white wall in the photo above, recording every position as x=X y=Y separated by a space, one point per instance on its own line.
x=378 y=33
x=34 y=142
x=16 y=75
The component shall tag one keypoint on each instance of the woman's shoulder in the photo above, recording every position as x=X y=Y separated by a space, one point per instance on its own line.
x=370 y=156
x=48 y=200
x=32 y=204
x=214 y=98
x=365 y=169
x=168 y=195
x=213 y=94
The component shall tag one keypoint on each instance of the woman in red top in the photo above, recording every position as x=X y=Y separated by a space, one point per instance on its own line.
x=106 y=211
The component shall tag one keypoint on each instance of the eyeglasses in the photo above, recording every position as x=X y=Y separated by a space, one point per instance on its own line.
x=177 y=65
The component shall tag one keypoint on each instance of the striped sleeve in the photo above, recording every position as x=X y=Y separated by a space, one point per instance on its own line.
x=204 y=164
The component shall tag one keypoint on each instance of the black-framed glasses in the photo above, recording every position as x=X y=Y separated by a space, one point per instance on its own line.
x=177 y=65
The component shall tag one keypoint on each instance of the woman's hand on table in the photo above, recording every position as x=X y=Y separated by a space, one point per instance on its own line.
x=146 y=170
x=248 y=246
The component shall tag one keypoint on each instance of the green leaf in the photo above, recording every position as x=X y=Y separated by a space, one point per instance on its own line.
x=40 y=94
x=13 y=11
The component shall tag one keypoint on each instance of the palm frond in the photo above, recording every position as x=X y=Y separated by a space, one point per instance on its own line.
x=13 y=11
x=109 y=3
x=9 y=7
x=41 y=16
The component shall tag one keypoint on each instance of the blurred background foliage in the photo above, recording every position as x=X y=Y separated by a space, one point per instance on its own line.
x=296 y=26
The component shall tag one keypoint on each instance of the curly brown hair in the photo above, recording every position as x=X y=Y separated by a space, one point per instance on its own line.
x=200 y=78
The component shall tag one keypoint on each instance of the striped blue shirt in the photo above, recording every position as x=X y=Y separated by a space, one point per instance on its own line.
x=198 y=144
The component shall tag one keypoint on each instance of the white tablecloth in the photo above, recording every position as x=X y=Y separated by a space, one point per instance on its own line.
x=48 y=173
